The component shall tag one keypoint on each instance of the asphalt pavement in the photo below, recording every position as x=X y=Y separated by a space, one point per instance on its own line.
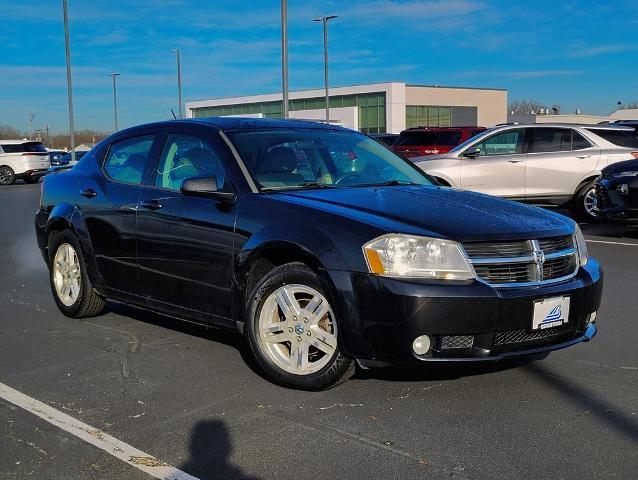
x=189 y=397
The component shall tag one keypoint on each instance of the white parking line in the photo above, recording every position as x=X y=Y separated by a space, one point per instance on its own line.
x=613 y=243
x=131 y=455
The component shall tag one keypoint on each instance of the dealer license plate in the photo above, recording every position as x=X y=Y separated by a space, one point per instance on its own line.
x=550 y=312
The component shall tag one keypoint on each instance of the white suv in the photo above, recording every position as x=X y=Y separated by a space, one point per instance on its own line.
x=544 y=164
x=23 y=159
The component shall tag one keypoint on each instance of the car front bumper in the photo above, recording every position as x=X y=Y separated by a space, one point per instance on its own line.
x=617 y=198
x=466 y=322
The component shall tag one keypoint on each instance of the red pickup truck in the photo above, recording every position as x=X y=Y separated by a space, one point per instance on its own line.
x=420 y=141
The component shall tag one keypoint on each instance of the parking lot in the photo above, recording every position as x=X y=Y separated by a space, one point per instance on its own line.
x=189 y=397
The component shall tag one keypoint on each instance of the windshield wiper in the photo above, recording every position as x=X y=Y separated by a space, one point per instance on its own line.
x=390 y=183
x=308 y=185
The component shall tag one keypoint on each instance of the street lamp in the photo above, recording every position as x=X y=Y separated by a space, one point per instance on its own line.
x=284 y=56
x=324 y=22
x=69 y=84
x=113 y=75
x=179 y=82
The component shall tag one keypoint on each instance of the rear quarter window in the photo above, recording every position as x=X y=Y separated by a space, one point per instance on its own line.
x=33 y=147
x=620 y=138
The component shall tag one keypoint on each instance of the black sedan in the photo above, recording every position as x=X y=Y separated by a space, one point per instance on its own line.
x=616 y=192
x=319 y=259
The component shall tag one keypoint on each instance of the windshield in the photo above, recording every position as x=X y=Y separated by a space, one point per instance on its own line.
x=472 y=140
x=281 y=159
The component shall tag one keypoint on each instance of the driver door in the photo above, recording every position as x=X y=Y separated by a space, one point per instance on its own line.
x=499 y=169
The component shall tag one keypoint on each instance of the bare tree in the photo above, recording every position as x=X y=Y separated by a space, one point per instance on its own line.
x=519 y=107
x=7 y=132
x=633 y=104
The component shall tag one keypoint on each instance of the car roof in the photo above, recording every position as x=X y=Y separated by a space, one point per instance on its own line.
x=589 y=126
x=429 y=129
x=241 y=123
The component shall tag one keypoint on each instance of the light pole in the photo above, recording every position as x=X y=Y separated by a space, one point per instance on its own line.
x=179 y=82
x=284 y=55
x=324 y=22
x=113 y=75
x=31 y=117
x=69 y=84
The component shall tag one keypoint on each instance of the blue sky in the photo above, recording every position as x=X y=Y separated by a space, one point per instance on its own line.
x=575 y=53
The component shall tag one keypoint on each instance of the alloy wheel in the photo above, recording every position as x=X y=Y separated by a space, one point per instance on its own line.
x=297 y=329
x=6 y=176
x=589 y=203
x=66 y=274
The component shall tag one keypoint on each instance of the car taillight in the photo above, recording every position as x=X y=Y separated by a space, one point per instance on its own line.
x=634 y=154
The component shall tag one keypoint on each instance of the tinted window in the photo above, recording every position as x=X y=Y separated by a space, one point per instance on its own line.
x=410 y=139
x=578 y=141
x=509 y=142
x=284 y=158
x=551 y=140
x=24 y=147
x=617 y=137
x=127 y=159
x=449 y=139
x=184 y=157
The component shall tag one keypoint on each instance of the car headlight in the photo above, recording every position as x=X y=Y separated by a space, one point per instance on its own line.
x=581 y=246
x=398 y=255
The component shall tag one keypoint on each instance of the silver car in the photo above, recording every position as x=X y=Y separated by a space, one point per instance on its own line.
x=547 y=164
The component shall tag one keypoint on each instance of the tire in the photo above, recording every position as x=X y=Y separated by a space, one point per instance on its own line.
x=7 y=175
x=67 y=273
x=313 y=334
x=583 y=203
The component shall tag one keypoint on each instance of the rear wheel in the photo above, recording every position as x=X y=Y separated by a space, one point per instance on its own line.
x=7 y=175
x=293 y=332
x=72 y=290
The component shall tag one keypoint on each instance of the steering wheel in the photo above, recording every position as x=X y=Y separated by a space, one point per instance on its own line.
x=346 y=176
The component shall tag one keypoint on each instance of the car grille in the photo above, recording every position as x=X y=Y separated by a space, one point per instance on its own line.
x=508 y=337
x=524 y=261
x=452 y=342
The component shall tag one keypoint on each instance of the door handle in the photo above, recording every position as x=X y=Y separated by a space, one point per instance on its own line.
x=514 y=160
x=583 y=156
x=88 y=193
x=151 y=204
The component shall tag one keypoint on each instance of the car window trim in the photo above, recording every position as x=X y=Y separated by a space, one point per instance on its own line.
x=147 y=133
x=242 y=166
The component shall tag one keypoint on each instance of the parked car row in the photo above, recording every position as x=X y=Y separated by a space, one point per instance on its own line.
x=544 y=164
x=319 y=259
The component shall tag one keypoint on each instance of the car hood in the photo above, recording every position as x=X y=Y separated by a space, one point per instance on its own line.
x=626 y=166
x=435 y=211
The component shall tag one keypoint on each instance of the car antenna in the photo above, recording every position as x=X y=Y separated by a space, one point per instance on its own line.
x=174 y=116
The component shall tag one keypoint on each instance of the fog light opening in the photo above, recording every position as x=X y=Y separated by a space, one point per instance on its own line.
x=421 y=345
x=591 y=318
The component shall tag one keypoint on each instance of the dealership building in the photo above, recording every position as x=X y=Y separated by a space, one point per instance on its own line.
x=373 y=108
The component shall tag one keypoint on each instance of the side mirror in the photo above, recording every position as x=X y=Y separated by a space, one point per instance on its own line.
x=472 y=152
x=206 y=187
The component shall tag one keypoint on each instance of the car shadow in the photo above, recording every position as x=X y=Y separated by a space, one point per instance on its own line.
x=585 y=400
x=207 y=332
x=210 y=449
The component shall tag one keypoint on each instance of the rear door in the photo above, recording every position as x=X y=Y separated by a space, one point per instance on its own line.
x=186 y=243
x=500 y=167
x=558 y=160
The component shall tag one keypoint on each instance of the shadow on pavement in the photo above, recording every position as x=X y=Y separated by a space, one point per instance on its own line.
x=210 y=450
x=214 y=334
x=584 y=399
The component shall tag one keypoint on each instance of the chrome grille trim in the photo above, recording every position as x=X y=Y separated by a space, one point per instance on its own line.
x=537 y=262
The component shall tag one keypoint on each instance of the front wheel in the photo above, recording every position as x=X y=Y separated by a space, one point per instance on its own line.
x=72 y=290
x=584 y=204
x=293 y=332
x=7 y=175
